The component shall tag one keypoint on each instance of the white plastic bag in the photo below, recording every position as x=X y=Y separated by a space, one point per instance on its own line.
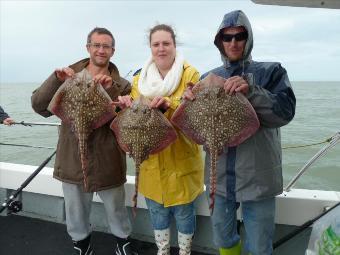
x=325 y=236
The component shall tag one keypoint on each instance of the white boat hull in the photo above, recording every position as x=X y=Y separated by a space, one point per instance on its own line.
x=43 y=198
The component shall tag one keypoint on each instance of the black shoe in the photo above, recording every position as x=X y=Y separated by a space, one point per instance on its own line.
x=83 y=247
x=123 y=247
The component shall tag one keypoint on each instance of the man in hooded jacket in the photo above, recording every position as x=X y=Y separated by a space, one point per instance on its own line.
x=249 y=174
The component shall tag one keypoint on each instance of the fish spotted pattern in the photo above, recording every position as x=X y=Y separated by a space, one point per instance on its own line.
x=85 y=106
x=142 y=131
x=215 y=119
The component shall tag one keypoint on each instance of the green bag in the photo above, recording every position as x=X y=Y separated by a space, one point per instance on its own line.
x=325 y=236
x=329 y=243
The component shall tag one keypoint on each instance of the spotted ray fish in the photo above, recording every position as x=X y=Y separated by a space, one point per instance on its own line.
x=215 y=119
x=141 y=131
x=85 y=106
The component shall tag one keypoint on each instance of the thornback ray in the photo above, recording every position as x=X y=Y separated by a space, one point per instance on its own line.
x=85 y=106
x=142 y=131
x=215 y=119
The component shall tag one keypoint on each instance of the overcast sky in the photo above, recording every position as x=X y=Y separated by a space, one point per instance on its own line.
x=39 y=36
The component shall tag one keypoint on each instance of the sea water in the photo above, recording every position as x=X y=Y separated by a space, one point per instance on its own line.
x=317 y=119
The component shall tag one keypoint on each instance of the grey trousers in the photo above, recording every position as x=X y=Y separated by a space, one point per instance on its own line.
x=78 y=209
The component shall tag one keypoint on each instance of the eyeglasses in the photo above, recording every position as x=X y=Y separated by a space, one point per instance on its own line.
x=238 y=37
x=97 y=46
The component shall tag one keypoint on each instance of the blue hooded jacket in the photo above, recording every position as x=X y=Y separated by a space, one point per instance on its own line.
x=253 y=169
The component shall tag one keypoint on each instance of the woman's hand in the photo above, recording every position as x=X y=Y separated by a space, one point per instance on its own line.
x=236 y=84
x=160 y=103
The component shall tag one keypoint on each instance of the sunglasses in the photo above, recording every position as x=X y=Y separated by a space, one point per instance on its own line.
x=238 y=37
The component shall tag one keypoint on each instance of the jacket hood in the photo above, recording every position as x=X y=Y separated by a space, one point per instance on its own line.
x=235 y=19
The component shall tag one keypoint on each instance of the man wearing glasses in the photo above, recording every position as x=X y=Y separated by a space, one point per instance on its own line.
x=107 y=164
x=249 y=174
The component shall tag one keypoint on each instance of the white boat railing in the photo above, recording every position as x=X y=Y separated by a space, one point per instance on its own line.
x=302 y=203
x=333 y=141
x=306 y=203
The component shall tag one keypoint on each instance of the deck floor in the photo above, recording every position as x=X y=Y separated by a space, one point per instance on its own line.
x=28 y=236
x=21 y=235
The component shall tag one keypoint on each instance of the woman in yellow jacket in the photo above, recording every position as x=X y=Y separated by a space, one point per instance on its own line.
x=172 y=179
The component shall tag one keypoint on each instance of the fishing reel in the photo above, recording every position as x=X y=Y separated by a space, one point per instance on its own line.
x=13 y=206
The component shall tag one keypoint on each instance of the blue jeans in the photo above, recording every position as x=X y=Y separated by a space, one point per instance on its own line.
x=258 y=218
x=161 y=216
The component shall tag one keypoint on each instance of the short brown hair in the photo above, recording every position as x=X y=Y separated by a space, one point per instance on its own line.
x=101 y=31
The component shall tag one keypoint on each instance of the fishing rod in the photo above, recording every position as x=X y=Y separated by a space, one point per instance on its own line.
x=128 y=73
x=24 y=123
x=29 y=146
x=16 y=206
x=333 y=141
x=302 y=227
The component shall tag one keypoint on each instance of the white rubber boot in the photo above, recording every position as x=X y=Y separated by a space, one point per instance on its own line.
x=184 y=243
x=162 y=238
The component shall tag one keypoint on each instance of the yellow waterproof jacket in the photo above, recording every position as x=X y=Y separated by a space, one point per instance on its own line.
x=173 y=176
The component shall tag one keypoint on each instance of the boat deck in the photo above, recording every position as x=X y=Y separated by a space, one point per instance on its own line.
x=22 y=235
x=28 y=236
x=40 y=229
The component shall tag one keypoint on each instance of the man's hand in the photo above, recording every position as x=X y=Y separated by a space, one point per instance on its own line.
x=64 y=73
x=104 y=80
x=123 y=102
x=8 y=121
x=236 y=84
x=160 y=103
